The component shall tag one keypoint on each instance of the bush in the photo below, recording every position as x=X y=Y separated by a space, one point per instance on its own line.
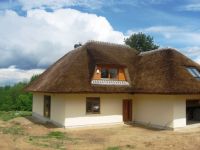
x=8 y=115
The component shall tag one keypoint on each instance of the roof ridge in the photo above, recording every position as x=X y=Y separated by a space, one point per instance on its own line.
x=157 y=50
x=107 y=43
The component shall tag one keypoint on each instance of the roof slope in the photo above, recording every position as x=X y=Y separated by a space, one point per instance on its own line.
x=159 y=71
x=164 y=71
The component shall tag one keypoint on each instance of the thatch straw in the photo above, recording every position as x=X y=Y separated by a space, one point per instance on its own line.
x=157 y=72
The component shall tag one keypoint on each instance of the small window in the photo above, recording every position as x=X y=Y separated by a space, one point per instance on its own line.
x=93 y=105
x=194 y=72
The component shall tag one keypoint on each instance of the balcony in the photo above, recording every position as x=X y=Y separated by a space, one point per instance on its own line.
x=109 y=82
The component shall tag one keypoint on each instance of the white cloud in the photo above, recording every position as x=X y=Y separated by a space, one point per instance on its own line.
x=41 y=37
x=190 y=7
x=12 y=75
x=193 y=52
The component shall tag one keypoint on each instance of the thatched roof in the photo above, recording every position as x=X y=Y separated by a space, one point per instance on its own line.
x=160 y=71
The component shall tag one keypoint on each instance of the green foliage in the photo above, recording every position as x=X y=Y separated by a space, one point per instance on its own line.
x=14 y=130
x=56 y=134
x=14 y=98
x=54 y=139
x=34 y=77
x=8 y=115
x=141 y=42
x=113 y=148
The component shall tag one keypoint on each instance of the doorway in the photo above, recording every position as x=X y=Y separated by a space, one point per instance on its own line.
x=192 y=111
x=127 y=110
x=47 y=106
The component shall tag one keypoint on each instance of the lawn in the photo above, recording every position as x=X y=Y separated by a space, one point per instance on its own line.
x=8 y=115
x=18 y=132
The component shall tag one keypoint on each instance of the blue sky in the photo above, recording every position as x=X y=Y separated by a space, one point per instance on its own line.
x=35 y=33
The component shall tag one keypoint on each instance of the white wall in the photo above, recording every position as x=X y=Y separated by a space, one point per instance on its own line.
x=38 y=104
x=179 y=113
x=57 y=110
x=110 y=109
x=153 y=110
x=161 y=110
x=69 y=110
x=157 y=110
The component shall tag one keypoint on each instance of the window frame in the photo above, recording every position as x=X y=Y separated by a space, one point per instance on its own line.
x=194 y=72
x=108 y=70
x=117 y=73
x=89 y=99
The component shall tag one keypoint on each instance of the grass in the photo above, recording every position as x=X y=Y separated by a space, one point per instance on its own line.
x=13 y=130
x=56 y=135
x=113 y=148
x=121 y=147
x=54 y=139
x=8 y=115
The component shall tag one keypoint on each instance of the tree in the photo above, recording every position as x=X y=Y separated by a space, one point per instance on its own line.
x=141 y=42
x=34 y=77
x=14 y=97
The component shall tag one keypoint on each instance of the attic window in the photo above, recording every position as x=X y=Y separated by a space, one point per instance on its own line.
x=109 y=75
x=194 y=72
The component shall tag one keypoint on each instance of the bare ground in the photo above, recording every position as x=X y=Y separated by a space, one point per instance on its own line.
x=31 y=136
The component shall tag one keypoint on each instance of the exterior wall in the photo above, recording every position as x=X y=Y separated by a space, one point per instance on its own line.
x=180 y=109
x=38 y=104
x=153 y=110
x=110 y=109
x=69 y=110
x=163 y=111
x=179 y=112
x=57 y=110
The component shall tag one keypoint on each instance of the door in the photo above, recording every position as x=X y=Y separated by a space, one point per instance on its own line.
x=47 y=106
x=127 y=110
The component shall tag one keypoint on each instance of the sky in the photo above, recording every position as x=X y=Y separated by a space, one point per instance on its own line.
x=35 y=33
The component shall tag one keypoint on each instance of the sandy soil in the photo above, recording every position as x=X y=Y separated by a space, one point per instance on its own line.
x=123 y=137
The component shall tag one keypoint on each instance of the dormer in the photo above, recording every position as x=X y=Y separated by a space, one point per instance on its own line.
x=109 y=75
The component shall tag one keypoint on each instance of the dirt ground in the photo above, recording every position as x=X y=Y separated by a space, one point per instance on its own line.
x=30 y=135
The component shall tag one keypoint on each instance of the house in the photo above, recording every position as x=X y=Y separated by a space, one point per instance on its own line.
x=104 y=83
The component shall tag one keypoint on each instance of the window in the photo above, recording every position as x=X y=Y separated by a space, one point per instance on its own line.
x=47 y=106
x=93 y=105
x=194 y=72
x=113 y=73
x=104 y=73
x=109 y=73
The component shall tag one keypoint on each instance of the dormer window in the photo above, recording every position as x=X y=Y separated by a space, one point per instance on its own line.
x=194 y=72
x=109 y=75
